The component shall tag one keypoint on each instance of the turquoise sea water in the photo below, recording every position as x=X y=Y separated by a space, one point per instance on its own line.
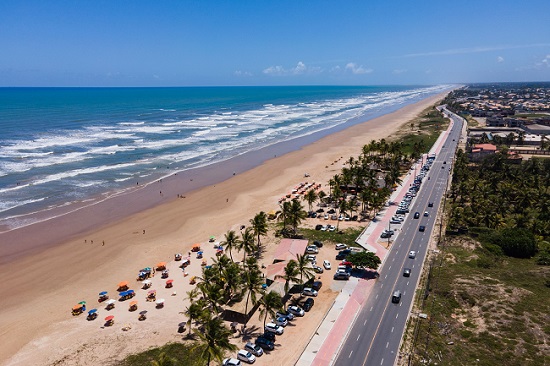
x=64 y=145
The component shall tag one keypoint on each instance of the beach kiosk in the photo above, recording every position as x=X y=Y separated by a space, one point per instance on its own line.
x=110 y=304
x=92 y=315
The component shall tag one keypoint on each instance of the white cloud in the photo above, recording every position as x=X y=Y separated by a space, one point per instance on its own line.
x=399 y=71
x=546 y=61
x=300 y=69
x=456 y=51
x=242 y=73
x=355 y=69
x=500 y=59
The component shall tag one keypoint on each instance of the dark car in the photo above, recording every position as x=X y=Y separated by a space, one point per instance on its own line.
x=308 y=304
x=343 y=254
x=318 y=243
x=430 y=204
x=422 y=228
x=265 y=343
x=416 y=215
x=317 y=285
x=407 y=272
x=269 y=335
x=318 y=227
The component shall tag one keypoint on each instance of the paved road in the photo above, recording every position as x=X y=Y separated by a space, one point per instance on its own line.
x=376 y=334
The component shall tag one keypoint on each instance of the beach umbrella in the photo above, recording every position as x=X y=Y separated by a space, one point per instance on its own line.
x=199 y=252
x=82 y=302
x=93 y=311
x=77 y=307
x=123 y=284
x=130 y=292
x=152 y=292
x=110 y=317
x=143 y=312
x=146 y=282
x=169 y=281
x=111 y=301
x=159 y=301
x=161 y=264
x=133 y=303
x=103 y=293
x=123 y=293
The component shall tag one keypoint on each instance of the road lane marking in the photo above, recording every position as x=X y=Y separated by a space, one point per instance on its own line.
x=397 y=316
x=387 y=344
x=365 y=322
x=372 y=307
x=359 y=336
x=392 y=329
x=407 y=283
x=350 y=354
x=377 y=296
x=386 y=276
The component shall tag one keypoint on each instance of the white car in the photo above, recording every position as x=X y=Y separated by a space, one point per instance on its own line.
x=285 y=314
x=331 y=228
x=254 y=349
x=308 y=291
x=324 y=228
x=231 y=362
x=296 y=310
x=412 y=254
x=312 y=249
x=274 y=328
x=341 y=246
x=326 y=264
x=281 y=320
x=246 y=356
x=311 y=258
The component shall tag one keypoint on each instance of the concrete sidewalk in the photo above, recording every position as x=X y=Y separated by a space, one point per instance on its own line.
x=325 y=344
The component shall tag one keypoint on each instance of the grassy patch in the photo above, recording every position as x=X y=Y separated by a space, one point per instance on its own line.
x=495 y=315
x=347 y=236
x=184 y=354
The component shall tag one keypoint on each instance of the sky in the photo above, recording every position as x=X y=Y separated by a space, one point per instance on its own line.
x=278 y=42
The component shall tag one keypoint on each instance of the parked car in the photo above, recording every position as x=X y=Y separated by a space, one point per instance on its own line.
x=318 y=269
x=324 y=228
x=265 y=343
x=231 y=362
x=341 y=275
x=331 y=228
x=393 y=221
x=407 y=272
x=318 y=227
x=311 y=258
x=412 y=254
x=326 y=264
x=281 y=320
x=312 y=249
x=326 y=216
x=254 y=349
x=269 y=335
x=317 y=285
x=246 y=356
x=274 y=328
x=295 y=310
x=341 y=246
x=286 y=314
x=318 y=244
x=308 y=291
x=308 y=304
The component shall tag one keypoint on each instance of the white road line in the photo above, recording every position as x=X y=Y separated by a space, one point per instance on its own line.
x=365 y=322
x=381 y=362
x=392 y=329
x=377 y=296
x=386 y=276
x=359 y=336
x=397 y=316
x=407 y=283
x=389 y=268
x=387 y=344
x=350 y=354
x=372 y=307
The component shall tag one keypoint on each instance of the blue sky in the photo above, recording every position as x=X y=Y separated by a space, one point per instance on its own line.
x=261 y=42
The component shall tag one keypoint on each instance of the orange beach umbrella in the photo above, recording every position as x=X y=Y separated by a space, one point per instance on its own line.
x=123 y=284
x=77 y=306
x=196 y=246
x=133 y=303
x=161 y=264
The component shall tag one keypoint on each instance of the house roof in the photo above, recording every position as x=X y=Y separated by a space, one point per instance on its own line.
x=289 y=249
x=486 y=147
x=276 y=269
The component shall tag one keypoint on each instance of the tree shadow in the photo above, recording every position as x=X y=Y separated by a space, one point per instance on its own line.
x=247 y=333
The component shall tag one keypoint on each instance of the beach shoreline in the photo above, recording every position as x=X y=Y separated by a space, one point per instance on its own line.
x=168 y=219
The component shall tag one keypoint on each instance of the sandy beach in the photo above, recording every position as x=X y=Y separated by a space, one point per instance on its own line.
x=40 y=286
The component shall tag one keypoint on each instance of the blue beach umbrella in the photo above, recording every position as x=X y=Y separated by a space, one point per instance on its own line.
x=130 y=292
x=123 y=293
x=93 y=311
x=103 y=293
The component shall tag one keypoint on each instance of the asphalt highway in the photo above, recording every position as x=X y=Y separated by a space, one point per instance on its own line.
x=376 y=334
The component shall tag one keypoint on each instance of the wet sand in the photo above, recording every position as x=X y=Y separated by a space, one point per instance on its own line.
x=59 y=262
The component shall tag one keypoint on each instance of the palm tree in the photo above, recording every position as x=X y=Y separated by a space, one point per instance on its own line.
x=247 y=242
x=291 y=271
x=259 y=225
x=284 y=213
x=164 y=360
x=297 y=214
x=269 y=304
x=195 y=312
x=310 y=197
x=231 y=241
x=252 y=283
x=214 y=339
x=304 y=268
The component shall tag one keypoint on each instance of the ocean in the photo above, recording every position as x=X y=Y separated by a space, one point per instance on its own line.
x=64 y=146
